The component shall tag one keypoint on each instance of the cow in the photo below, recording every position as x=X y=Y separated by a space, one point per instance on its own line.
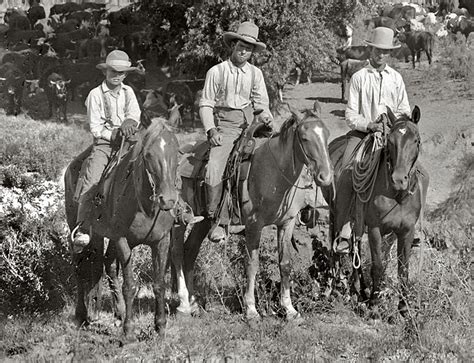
x=28 y=37
x=57 y=94
x=183 y=93
x=16 y=20
x=35 y=13
x=468 y=5
x=154 y=102
x=25 y=60
x=400 y=11
x=464 y=25
x=65 y=8
x=348 y=68
x=68 y=26
x=445 y=7
x=45 y=25
x=359 y=52
x=13 y=85
x=387 y=22
x=418 y=41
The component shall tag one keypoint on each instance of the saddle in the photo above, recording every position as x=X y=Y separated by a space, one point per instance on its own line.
x=236 y=172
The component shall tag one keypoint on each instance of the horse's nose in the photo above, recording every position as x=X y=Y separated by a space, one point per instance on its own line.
x=400 y=181
x=166 y=203
x=324 y=178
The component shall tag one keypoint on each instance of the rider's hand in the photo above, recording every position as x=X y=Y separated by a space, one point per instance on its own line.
x=128 y=127
x=374 y=127
x=265 y=118
x=214 y=137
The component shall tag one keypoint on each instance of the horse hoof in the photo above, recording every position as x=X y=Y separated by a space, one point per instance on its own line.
x=253 y=320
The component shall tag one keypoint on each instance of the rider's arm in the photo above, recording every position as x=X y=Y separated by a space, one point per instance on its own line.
x=354 y=119
x=403 y=106
x=132 y=109
x=208 y=98
x=260 y=96
x=94 y=115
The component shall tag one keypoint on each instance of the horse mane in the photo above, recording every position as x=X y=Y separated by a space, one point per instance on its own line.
x=286 y=126
x=153 y=130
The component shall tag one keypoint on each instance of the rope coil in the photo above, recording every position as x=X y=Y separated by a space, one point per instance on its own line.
x=366 y=165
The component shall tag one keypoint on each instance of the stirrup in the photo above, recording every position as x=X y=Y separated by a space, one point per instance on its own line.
x=336 y=243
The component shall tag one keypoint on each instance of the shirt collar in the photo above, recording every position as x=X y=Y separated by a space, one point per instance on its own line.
x=106 y=89
x=234 y=68
x=371 y=69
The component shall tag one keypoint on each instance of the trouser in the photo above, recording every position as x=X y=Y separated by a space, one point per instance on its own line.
x=345 y=196
x=230 y=124
x=91 y=172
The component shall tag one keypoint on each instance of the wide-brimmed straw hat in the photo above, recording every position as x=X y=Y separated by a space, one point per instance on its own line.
x=382 y=38
x=117 y=60
x=247 y=32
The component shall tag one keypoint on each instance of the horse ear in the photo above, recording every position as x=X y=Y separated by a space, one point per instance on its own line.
x=295 y=113
x=416 y=115
x=316 y=108
x=391 y=115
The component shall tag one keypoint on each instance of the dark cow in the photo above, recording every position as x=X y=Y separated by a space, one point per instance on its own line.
x=468 y=5
x=25 y=60
x=359 y=52
x=65 y=8
x=400 y=11
x=45 y=63
x=154 y=102
x=348 y=68
x=445 y=7
x=35 y=13
x=65 y=44
x=29 y=37
x=464 y=25
x=16 y=20
x=180 y=93
x=14 y=83
x=418 y=41
x=57 y=93
x=68 y=26
x=80 y=16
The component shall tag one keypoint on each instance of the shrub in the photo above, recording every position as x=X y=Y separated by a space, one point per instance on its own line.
x=35 y=269
x=459 y=57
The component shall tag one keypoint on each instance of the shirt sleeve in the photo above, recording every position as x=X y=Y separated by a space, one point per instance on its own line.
x=259 y=94
x=132 y=109
x=94 y=115
x=208 y=98
x=354 y=119
x=403 y=106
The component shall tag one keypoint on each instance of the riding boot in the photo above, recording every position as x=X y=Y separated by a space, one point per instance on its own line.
x=214 y=195
x=184 y=213
x=80 y=234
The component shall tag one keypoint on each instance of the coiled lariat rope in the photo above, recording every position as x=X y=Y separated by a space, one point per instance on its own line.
x=366 y=165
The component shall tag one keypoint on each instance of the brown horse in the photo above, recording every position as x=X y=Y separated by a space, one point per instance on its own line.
x=395 y=203
x=282 y=170
x=139 y=195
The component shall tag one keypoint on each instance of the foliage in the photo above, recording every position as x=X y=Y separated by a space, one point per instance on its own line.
x=35 y=270
x=459 y=56
x=31 y=146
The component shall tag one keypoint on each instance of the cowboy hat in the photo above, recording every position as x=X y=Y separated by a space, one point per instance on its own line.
x=382 y=38
x=247 y=32
x=118 y=61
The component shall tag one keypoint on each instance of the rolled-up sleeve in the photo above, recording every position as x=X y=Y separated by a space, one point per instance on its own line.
x=354 y=119
x=403 y=106
x=208 y=98
x=94 y=115
x=259 y=93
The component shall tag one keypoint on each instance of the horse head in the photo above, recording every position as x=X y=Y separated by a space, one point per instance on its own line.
x=311 y=144
x=403 y=147
x=160 y=155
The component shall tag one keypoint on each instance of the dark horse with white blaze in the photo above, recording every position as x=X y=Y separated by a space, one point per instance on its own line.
x=396 y=201
x=138 y=196
x=281 y=170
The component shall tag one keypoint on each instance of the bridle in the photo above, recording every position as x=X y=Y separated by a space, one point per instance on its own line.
x=388 y=158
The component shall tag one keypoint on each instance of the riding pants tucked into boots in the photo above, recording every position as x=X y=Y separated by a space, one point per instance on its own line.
x=345 y=195
x=90 y=175
x=229 y=123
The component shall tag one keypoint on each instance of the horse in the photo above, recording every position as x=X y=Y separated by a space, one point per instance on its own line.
x=395 y=204
x=135 y=207
x=282 y=169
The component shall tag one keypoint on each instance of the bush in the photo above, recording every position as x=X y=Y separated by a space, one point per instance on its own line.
x=35 y=269
x=459 y=56
x=36 y=147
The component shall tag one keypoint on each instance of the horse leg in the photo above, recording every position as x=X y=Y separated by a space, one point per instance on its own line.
x=125 y=256
x=284 y=239
x=89 y=268
x=160 y=252
x=404 y=242
x=252 y=240
x=191 y=250
x=177 y=256
x=375 y=241
x=112 y=269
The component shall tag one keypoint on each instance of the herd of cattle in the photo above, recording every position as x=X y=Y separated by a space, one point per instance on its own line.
x=58 y=54
x=415 y=28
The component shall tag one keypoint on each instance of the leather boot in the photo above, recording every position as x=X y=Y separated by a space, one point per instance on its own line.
x=184 y=213
x=217 y=233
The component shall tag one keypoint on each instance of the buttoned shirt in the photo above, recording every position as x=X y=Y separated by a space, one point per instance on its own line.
x=229 y=86
x=107 y=109
x=370 y=92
